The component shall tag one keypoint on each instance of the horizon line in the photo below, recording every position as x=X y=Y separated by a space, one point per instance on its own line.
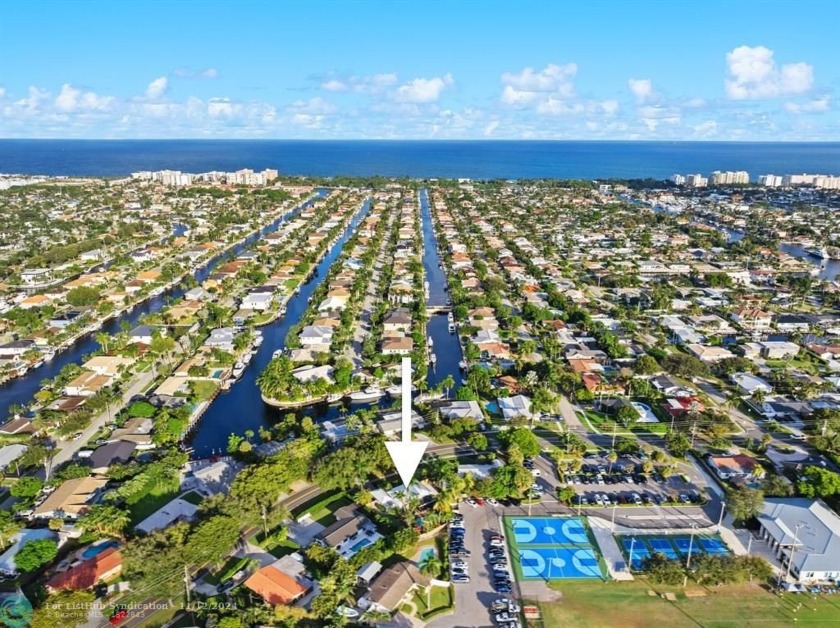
x=387 y=140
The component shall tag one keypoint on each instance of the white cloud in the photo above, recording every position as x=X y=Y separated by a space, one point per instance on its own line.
x=755 y=75
x=72 y=99
x=556 y=107
x=528 y=86
x=422 y=90
x=313 y=106
x=208 y=73
x=818 y=105
x=157 y=88
x=221 y=108
x=491 y=128
x=642 y=89
x=705 y=129
x=610 y=107
x=2 y=92
x=694 y=103
x=375 y=83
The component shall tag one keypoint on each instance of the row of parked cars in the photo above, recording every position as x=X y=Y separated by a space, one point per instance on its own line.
x=458 y=566
x=638 y=499
x=499 y=568
x=505 y=613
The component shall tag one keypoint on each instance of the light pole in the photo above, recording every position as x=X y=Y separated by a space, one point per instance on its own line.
x=792 y=551
x=615 y=507
x=632 y=545
x=690 y=549
x=720 y=519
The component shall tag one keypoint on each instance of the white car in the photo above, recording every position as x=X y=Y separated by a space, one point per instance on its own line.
x=497 y=543
x=457 y=525
x=598 y=500
x=459 y=564
x=492 y=501
x=471 y=502
x=537 y=488
x=637 y=499
x=536 y=473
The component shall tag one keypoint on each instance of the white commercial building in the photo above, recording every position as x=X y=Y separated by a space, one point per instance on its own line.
x=805 y=534
x=678 y=179
x=696 y=181
x=729 y=177
x=770 y=180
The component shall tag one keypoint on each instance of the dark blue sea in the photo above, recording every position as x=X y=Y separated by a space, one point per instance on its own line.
x=419 y=159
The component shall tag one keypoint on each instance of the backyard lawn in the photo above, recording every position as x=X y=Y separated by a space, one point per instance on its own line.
x=156 y=494
x=322 y=510
x=629 y=604
x=441 y=599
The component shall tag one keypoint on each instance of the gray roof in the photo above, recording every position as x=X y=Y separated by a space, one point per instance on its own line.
x=118 y=451
x=818 y=536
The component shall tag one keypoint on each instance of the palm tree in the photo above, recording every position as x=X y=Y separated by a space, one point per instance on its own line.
x=447 y=383
x=431 y=567
x=103 y=339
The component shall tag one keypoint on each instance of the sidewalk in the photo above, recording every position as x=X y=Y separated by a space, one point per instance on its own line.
x=616 y=563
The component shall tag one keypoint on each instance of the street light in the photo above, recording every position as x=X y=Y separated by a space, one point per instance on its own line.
x=720 y=519
x=632 y=545
x=690 y=549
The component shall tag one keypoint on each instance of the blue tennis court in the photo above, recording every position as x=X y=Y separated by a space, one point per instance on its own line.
x=714 y=546
x=635 y=550
x=548 y=531
x=663 y=546
x=543 y=563
x=684 y=543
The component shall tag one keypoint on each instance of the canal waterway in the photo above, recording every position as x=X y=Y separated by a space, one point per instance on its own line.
x=241 y=408
x=446 y=346
x=19 y=391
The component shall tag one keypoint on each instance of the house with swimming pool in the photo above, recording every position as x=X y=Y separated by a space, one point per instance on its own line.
x=351 y=532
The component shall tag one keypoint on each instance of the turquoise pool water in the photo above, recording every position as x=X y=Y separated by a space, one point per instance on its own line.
x=360 y=545
x=95 y=550
x=492 y=407
x=426 y=554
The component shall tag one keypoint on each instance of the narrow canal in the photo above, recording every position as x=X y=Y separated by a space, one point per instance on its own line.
x=20 y=391
x=241 y=408
x=446 y=347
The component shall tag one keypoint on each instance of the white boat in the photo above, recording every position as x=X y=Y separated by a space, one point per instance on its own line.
x=258 y=339
x=277 y=354
x=432 y=358
x=821 y=252
x=431 y=342
x=38 y=364
x=394 y=391
x=451 y=328
x=450 y=318
x=49 y=355
x=238 y=369
x=371 y=393
x=335 y=397
x=462 y=365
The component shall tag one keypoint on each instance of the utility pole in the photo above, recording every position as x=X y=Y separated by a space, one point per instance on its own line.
x=265 y=523
x=720 y=519
x=187 y=583
x=630 y=562
x=615 y=507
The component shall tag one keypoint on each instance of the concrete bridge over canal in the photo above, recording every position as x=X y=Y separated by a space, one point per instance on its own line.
x=431 y=310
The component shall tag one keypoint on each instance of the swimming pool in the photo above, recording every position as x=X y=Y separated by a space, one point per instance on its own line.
x=95 y=550
x=359 y=545
x=426 y=554
x=646 y=415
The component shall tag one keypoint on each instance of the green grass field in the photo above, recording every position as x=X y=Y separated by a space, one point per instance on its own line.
x=629 y=605
x=156 y=495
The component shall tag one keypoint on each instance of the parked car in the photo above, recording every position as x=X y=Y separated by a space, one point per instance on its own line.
x=637 y=499
x=684 y=499
x=492 y=501
x=471 y=502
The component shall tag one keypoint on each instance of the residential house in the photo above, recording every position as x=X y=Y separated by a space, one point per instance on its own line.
x=221 y=338
x=103 y=457
x=401 y=345
x=738 y=466
x=86 y=384
x=752 y=319
x=176 y=510
x=398 y=320
x=450 y=410
x=104 y=566
x=258 y=301
x=143 y=334
x=316 y=335
x=708 y=353
x=70 y=500
x=276 y=587
x=391 y=587
x=518 y=406
x=749 y=384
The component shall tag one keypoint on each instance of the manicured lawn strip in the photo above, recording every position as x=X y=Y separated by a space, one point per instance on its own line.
x=192 y=497
x=627 y=604
x=321 y=510
x=606 y=425
x=203 y=389
x=231 y=566
x=156 y=495
x=441 y=599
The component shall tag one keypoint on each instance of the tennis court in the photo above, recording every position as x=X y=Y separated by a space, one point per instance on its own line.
x=672 y=547
x=552 y=548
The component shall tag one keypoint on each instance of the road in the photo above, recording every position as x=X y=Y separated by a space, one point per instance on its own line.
x=65 y=450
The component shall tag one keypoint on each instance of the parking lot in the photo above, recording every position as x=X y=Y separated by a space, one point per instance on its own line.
x=473 y=599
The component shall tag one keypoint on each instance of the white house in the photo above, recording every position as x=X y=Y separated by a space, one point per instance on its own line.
x=516 y=406
x=750 y=384
x=258 y=301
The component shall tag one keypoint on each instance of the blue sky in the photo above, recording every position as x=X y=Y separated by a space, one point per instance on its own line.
x=431 y=69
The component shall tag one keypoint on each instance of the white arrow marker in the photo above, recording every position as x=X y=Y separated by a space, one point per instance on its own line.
x=406 y=454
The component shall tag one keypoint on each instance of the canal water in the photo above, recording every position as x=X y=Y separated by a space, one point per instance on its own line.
x=829 y=269
x=446 y=346
x=20 y=391
x=241 y=408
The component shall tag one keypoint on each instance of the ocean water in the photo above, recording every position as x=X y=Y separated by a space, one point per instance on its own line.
x=420 y=159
